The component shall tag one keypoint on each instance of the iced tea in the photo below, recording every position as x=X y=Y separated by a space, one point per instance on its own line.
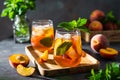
x=67 y=49
x=42 y=35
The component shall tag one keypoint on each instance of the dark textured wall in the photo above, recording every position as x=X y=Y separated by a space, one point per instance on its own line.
x=62 y=10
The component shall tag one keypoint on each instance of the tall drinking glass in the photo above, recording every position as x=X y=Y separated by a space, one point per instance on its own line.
x=42 y=35
x=67 y=48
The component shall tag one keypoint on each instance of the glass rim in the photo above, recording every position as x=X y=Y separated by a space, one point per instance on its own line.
x=42 y=20
x=63 y=31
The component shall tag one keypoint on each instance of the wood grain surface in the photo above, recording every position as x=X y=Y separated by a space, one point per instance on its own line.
x=50 y=68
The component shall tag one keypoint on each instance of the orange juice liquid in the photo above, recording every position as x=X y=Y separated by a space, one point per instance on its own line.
x=42 y=38
x=71 y=56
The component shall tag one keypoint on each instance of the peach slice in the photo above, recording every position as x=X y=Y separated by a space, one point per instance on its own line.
x=16 y=59
x=67 y=62
x=44 y=57
x=108 y=52
x=25 y=71
x=58 y=42
x=77 y=44
x=83 y=53
x=64 y=62
x=72 y=53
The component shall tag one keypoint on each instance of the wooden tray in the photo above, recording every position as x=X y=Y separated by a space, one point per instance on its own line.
x=50 y=68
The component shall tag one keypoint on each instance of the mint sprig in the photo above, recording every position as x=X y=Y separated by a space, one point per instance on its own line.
x=111 y=72
x=74 y=24
x=17 y=7
x=109 y=17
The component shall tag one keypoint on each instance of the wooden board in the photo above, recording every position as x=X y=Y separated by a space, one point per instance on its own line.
x=50 y=68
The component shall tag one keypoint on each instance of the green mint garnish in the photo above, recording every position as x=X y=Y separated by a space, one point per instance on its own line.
x=74 y=24
x=17 y=7
x=109 y=17
x=111 y=72
x=47 y=41
x=63 y=48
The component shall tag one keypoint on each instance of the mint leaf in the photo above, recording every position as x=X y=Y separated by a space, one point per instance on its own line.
x=67 y=26
x=47 y=41
x=73 y=25
x=17 y=7
x=84 y=29
x=63 y=48
x=109 y=17
x=111 y=72
x=81 y=22
x=4 y=12
x=114 y=69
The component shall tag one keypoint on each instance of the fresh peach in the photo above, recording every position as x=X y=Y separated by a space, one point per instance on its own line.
x=99 y=41
x=110 y=26
x=108 y=52
x=95 y=26
x=16 y=59
x=97 y=15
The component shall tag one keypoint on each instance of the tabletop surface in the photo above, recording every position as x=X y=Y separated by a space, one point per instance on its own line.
x=8 y=47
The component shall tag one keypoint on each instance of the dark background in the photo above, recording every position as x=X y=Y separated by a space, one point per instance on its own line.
x=61 y=10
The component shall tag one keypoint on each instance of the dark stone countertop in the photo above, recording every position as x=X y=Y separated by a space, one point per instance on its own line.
x=8 y=47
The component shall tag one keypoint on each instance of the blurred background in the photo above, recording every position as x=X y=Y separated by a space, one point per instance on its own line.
x=60 y=10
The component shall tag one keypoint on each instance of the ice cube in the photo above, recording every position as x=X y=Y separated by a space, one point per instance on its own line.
x=58 y=35
x=67 y=36
x=37 y=31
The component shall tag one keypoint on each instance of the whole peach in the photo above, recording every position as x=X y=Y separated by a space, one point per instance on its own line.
x=110 y=26
x=99 y=41
x=95 y=26
x=97 y=15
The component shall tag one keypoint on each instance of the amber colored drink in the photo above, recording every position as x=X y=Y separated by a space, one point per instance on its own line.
x=42 y=35
x=67 y=49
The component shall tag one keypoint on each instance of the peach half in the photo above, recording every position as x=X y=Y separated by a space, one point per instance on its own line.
x=16 y=59
x=108 y=52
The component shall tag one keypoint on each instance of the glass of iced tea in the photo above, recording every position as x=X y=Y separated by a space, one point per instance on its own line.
x=42 y=35
x=67 y=48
